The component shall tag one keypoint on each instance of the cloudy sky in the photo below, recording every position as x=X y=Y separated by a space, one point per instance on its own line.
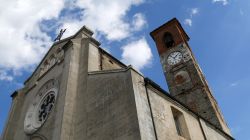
x=219 y=32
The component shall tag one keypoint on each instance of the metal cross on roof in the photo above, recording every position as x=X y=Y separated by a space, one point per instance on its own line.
x=59 y=36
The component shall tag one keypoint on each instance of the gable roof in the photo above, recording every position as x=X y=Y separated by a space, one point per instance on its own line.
x=84 y=30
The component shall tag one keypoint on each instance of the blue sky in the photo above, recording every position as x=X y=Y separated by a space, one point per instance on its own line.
x=219 y=32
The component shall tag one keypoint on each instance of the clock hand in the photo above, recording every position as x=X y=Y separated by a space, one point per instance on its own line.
x=175 y=56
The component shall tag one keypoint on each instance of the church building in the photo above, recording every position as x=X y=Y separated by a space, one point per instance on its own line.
x=81 y=92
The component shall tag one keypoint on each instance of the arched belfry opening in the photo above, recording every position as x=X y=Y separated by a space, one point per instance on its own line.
x=168 y=40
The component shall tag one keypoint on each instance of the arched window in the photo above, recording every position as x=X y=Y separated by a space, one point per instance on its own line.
x=168 y=40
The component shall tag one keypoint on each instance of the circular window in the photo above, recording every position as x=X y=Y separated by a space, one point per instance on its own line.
x=46 y=106
x=40 y=108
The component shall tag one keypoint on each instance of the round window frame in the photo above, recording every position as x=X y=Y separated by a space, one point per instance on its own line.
x=41 y=102
x=31 y=123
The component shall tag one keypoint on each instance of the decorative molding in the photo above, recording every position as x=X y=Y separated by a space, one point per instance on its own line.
x=55 y=58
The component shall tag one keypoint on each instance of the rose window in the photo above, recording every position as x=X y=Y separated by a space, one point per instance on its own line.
x=46 y=106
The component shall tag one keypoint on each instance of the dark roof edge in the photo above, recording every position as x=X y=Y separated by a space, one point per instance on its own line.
x=102 y=50
x=156 y=86
x=172 y=20
x=14 y=94
x=107 y=71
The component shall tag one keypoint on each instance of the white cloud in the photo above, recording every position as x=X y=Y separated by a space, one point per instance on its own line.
x=224 y=2
x=188 y=22
x=22 y=42
x=137 y=53
x=108 y=17
x=139 y=21
x=194 y=11
x=4 y=76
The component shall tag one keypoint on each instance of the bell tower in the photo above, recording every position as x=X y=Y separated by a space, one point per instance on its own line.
x=183 y=74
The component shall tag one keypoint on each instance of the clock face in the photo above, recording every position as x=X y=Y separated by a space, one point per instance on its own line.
x=40 y=107
x=174 y=58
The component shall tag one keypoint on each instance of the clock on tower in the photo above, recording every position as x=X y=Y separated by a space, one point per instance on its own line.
x=183 y=74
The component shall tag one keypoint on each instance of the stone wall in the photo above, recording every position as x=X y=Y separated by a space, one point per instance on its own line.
x=165 y=125
x=110 y=107
x=101 y=60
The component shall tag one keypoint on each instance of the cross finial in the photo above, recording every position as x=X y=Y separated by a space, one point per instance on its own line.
x=59 y=36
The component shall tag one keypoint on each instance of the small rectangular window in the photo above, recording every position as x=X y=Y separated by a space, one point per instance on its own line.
x=180 y=123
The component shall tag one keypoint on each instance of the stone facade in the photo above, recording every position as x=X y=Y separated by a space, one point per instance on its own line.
x=99 y=98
